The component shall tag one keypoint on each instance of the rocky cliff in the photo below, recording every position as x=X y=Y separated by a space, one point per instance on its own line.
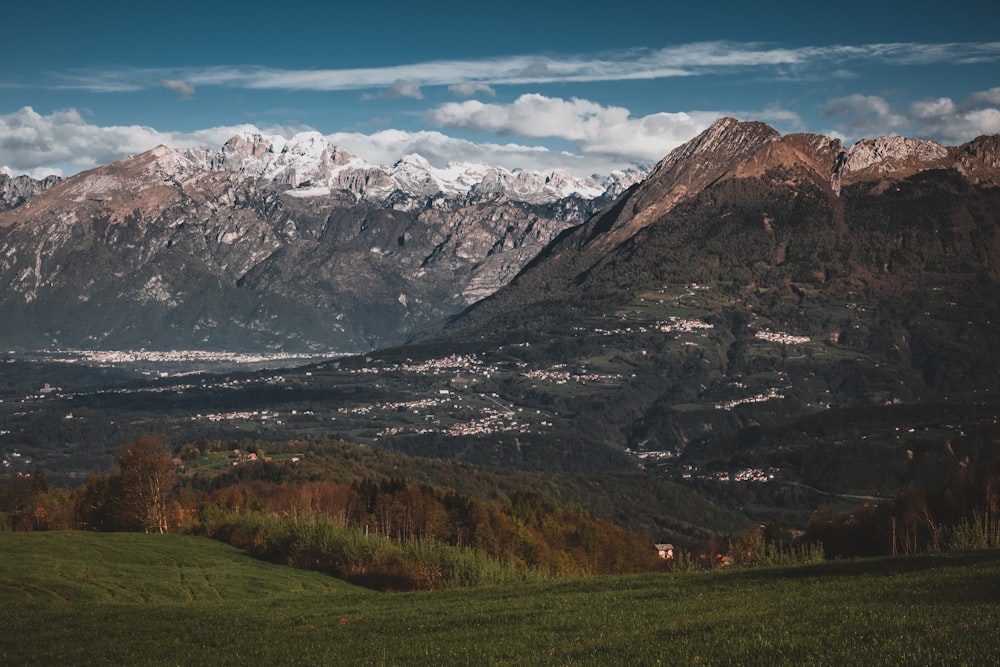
x=15 y=190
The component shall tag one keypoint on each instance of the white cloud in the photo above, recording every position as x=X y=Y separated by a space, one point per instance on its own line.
x=605 y=137
x=695 y=59
x=984 y=98
x=596 y=130
x=37 y=174
x=864 y=114
x=950 y=123
x=178 y=86
x=940 y=119
x=932 y=108
x=471 y=89
x=64 y=142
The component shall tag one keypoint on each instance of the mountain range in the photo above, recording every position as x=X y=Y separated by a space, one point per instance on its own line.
x=759 y=306
x=269 y=244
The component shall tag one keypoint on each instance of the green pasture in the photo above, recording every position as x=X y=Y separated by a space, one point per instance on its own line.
x=73 y=598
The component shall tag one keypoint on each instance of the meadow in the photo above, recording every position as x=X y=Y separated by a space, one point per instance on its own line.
x=74 y=598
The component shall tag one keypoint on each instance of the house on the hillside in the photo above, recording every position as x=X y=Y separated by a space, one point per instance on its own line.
x=666 y=551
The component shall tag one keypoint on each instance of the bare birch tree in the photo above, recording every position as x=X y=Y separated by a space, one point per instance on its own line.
x=148 y=475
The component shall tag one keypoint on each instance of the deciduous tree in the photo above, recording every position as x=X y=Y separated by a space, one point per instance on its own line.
x=148 y=475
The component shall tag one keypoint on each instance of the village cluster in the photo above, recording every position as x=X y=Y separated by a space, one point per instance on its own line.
x=245 y=415
x=652 y=458
x=781 y=337
x=672 y=324
x=769 y=395
x=492 y=421
x=559 y=374
x=120 y=357
x=451 y=363
x=743 y=475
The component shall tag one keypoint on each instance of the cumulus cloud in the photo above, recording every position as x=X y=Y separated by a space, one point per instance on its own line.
x=604 y=138
x=940 y=119
x=64 y=142
x=931 y=108
x=984 y=98
x=860 y=114
x=178 y=86
x=607 y=131
x=953 y=123
x=471 y=89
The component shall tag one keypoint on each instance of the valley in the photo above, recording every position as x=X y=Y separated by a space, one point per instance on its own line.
x=756 y=412
x=776 y=322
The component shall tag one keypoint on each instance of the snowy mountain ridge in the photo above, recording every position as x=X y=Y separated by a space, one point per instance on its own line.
x=310 y=166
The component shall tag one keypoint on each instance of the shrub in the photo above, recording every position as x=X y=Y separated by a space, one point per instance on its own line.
x=317 y=542
x=982 y=531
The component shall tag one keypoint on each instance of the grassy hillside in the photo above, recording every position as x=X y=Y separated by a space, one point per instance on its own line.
x=80 y=598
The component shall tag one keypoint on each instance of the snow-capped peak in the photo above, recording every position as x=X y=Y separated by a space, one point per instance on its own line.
x=413 y=160
x=311 y=166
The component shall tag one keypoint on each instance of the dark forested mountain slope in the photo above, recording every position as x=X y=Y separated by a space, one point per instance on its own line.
x=769 y=296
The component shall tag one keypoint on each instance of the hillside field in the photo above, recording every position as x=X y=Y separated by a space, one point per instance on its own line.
x=74 y=598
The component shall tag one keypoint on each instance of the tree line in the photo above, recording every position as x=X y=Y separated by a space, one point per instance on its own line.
x=392 y=533
x=265 y=507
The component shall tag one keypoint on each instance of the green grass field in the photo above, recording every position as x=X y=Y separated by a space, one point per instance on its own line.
x=70 y=598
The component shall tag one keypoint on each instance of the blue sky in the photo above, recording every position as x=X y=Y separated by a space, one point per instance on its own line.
x=585 y=87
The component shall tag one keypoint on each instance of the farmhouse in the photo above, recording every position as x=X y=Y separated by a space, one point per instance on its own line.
x=666 y=551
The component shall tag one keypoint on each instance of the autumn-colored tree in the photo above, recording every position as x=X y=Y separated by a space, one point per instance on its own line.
x=148 y=475
x=31 y=504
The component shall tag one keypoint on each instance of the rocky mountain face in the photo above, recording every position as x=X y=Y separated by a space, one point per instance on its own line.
x=269 y=244
x=15 y=190
x=731 y=149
